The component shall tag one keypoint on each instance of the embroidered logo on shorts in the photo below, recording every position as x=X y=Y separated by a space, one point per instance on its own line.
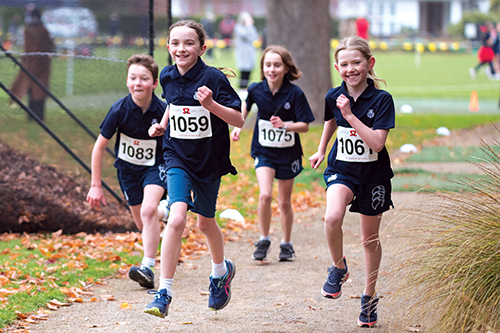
x=256 y=161
x=295 y=166
x=370 y=114
x=287 y=106
x=378 y=196
x=331 y=178
x=162 y=172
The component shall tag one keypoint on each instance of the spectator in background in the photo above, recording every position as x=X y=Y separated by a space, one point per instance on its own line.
x=114 y=24
x=496 y=49
x=244 y=36
x=485 y=53
x=362 y=26
x=226 y=28
x=208 y=23
x=14 y=29
x=347 y=28
x=114 y=30
x=37 y=42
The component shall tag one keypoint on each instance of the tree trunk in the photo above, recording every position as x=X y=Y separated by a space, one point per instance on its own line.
x=303 y=27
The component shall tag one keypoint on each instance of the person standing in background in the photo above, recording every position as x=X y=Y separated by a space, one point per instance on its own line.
x=14 y=29
x=208 y=23
x=485 y=53
x=226 y=28
x=362 y=26
x=244 y=36
x=37 y=43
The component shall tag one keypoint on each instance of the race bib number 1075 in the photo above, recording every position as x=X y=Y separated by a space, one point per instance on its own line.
x=272 y=137
x=189 y=122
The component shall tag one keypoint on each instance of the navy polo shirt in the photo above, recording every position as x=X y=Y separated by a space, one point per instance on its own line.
x=126 y=117
x=375 y=108
x=205 y=159
x=290 y=104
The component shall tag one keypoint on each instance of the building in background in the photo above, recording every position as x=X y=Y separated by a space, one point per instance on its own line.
x=427 y=19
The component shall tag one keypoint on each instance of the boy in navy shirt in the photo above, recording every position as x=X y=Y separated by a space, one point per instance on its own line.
x=138 y=159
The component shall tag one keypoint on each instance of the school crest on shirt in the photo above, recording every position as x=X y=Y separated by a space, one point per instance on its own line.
x=195 y=95
x=287 y=106
x=370 y=113
x=154 y=121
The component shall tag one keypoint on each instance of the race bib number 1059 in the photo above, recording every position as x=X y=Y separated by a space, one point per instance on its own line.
x=189 y=122
x=351 y=148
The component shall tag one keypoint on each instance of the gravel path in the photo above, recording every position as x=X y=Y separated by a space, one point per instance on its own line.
x=269 y=297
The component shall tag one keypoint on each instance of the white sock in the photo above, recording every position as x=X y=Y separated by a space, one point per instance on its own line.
x=149 y=262
x=166 y=284
x=287 y=243
x=219 y=270
x=267 y=238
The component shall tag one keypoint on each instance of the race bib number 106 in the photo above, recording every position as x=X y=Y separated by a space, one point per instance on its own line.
x=351 y=148
x=189 y=122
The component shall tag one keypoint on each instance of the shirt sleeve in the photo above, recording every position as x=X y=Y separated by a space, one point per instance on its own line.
x=329 y=114
x=385 y=118
x=303 y=110
x=110 y=124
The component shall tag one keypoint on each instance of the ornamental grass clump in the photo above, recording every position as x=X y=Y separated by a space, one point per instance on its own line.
x=448 y=271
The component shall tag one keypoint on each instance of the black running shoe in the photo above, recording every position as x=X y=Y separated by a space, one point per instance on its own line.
x=144 y=275
x=286 y=253
x=262 y=250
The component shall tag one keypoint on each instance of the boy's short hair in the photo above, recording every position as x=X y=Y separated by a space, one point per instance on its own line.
x=144 y=60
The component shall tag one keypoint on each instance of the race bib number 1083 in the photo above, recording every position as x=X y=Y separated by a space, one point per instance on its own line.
x=137 y=151
x=189 y=122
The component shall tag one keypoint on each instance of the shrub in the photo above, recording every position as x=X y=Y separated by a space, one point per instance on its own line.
x=449 y=268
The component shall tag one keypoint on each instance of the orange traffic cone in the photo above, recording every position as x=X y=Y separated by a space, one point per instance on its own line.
x=474 y=102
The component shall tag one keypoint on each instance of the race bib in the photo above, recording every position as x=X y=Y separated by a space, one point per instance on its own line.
x=272 y=137
x=190 y=122
x=137 y=151
x=351 y=148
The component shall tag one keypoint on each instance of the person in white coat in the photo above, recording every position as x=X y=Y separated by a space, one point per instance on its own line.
x=244 y=36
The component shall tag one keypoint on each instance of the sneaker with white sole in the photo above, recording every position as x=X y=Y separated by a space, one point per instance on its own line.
x=144 y=275
x=472 y=73
x=165 y=207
